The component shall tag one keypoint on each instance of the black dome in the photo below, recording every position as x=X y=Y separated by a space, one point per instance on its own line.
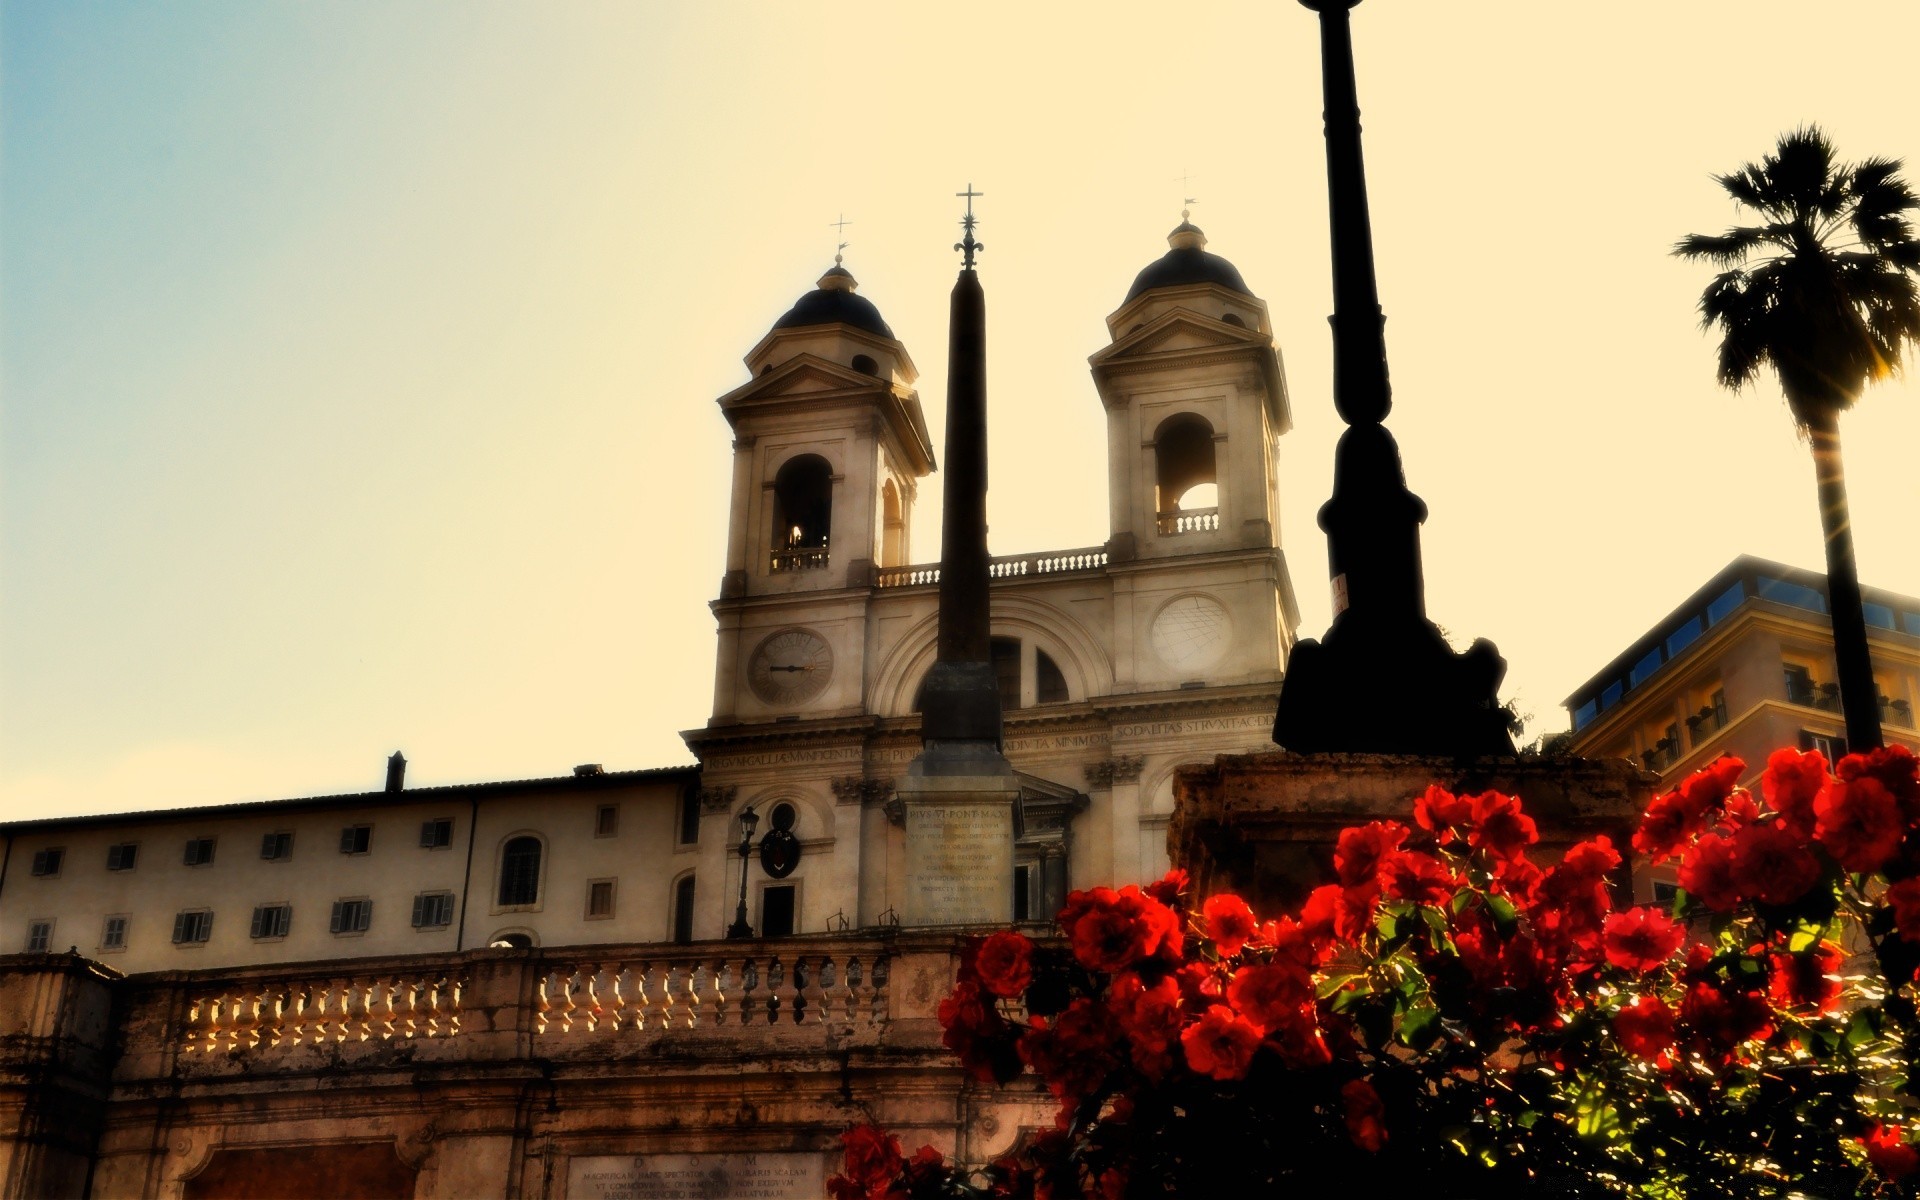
x=1187 y=263
x=833 y=301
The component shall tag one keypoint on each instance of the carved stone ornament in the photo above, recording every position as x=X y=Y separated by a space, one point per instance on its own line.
x=848 y=789
x=1124 y=769
x=1099 y=774
x=717 y=799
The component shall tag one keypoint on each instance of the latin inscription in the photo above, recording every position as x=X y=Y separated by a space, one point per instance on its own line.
x=1197 y=725
x=960 y=860
x=696 y=1177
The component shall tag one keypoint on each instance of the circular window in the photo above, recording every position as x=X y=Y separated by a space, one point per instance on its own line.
x=783 y=817
x=865 y=365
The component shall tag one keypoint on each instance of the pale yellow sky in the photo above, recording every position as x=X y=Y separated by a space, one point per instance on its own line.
x=359 y=361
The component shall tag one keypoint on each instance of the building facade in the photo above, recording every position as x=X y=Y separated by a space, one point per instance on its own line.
x=1744 y=667
x=521 y=988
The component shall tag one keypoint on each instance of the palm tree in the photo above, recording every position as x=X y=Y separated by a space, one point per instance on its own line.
x=1823 y=291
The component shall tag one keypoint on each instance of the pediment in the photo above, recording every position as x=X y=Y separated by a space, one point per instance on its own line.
x=1176 y=331
x=802 y=375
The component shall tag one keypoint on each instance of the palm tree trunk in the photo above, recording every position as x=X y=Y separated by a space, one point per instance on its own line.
x=1859 y=698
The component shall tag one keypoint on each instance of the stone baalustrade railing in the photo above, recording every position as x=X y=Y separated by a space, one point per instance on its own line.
x=1007 y=566
x=245 y=1014
x=655 y=992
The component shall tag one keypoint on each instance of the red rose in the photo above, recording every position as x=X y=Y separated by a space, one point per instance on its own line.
x=1004 y=963
x=1268 y=995
x=1500 y=827
x=1707 y=789
x=1739 y=811
x=1644 y=1028
x=1808 y=979
x=1169 y=887
x=1595 y=858
x=873 y=1158
x=1221 y=1043
x=1641 y=939
x=978 y=1035
x=1573 y=898
x=1111 y=931
x=1076 y=1052
x=1707 y=872
x=1772 y=863
x=1230 y=922
x=1791 y=782
x=1298 y=1040
x=1366 y=1115
x=1360 y=851
x=1890 y=1152
x=1722 y=1020
x=1332 y=913
x=1859 y=822
x=1904 y=899
x=1150 y=1017
x=1421 y=878
x=1518 y=878
x=1667 y=826
x=1440 y=812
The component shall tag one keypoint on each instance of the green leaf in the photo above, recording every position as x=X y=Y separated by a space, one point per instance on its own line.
x=1461 y=899
x=1420 y=1026
x=1506 y=918
x=1336 y=980
x=1678 y=908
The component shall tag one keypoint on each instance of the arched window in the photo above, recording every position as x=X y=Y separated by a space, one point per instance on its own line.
x=865 y=365
x=802 y=513
x=1183 y=466
x=1049 y=685
x=893 y=529
x=683 y=910
x=520 y=872
x=1234 y=319
x=513 y=940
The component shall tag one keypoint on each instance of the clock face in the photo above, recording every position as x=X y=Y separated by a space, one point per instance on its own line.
x=790 y=666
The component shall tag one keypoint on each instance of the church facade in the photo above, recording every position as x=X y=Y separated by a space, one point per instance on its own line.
x=516 y=988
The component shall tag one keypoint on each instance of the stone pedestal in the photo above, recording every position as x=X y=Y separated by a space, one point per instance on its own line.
x=1264 y=825
x=958 y=804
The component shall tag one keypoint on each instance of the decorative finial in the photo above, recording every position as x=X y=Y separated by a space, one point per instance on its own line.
x=967 y=246
x=841 y=227
x=1186 y=185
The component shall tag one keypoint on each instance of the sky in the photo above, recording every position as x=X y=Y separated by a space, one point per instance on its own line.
x=357 y=361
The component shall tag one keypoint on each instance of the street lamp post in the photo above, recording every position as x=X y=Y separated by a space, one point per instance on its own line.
x=749 y=820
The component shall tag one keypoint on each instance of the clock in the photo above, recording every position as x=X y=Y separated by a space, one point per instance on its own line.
x=790 y=667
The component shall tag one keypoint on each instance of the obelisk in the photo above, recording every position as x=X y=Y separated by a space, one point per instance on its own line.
x=1382 y=680
x=959 y=792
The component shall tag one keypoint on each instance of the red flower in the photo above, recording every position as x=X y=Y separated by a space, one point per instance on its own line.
x=1644 y=1028
x=1332 y=913
x=1268 y=995
x=1890 y=1152
x=1859 y=822
x=1359 y=854
x=1169 y=887
x=1440 y=812
x=1772 y=864
x=1076 y=1052
x=1641 y=939
x=978 y=1035
x=1573 y=899
x=1595 y=858
x=1221 y=1043
x=1151 y=1018
x=1111 y=931
x=1807 y=979
x=1500 y=827
x=1707 y=789
x=1721 y=1020
x=1421 y=878
x=1792 y=780
x=1707 y=872
x=1904 y=899
x=1004 y=963
x=1366 y=1115
x=1667 y=826
x=873 y=1160
x=1230 y=922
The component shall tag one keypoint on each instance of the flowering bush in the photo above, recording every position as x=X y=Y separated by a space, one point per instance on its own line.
x=1453 y=1016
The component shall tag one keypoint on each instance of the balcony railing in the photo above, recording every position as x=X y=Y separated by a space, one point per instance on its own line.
x=1189 y=520
x=804 y=558
x=1007 y=566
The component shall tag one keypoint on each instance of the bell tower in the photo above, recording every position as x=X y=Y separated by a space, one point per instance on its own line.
x=1195 y=399
x=829 y=446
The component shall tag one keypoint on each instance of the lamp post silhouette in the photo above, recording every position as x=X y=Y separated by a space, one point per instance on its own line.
x=749 y=821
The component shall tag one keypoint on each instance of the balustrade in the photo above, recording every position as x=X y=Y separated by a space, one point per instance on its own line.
x=779 y=987
x=1189 y=520
x=806 y=558
x=316 y=1010
x=1006 y=566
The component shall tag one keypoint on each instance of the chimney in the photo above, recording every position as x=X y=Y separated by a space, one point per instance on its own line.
x=589 y=769
x=396 y=772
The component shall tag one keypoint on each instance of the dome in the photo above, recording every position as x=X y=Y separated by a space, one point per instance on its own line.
x=1186 y=263
x=833 y=301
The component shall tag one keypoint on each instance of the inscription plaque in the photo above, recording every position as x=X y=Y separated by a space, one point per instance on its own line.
x=959 y=861
x=697 y=1177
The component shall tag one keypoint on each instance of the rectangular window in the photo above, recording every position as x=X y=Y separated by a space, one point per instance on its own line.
x=1832 y=745
x=271 y=921
x=1799 y=682
x=356 y=839
x=1912 y=622
x=122 y=856
x=1685 y=636
x=39 y=936
x=1878 y=614
x=776 y=911
x=606 y=820
x=683 y=910
x=1648 y=664
x=433 y=910
x=351 y=916
x=276 y=847
x=192 y=927
x=1797 y=595
x=690 y=815
x=599 y=898
x=1585 y=713
x=1023 y=892
x=199 y=853
x=1725 y=603
x=113 y=934
x=47 y=862
x=436 y=834
x=1612 y=695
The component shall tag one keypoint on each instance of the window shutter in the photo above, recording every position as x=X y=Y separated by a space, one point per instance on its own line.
x=260 y=916
x=205 y=922
x=365 y=916
x=179 y=927
x=426 y=839
x=346 y=840
x=420 y=902
x=282 y=918
x=334 y=926
x=269 y=846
